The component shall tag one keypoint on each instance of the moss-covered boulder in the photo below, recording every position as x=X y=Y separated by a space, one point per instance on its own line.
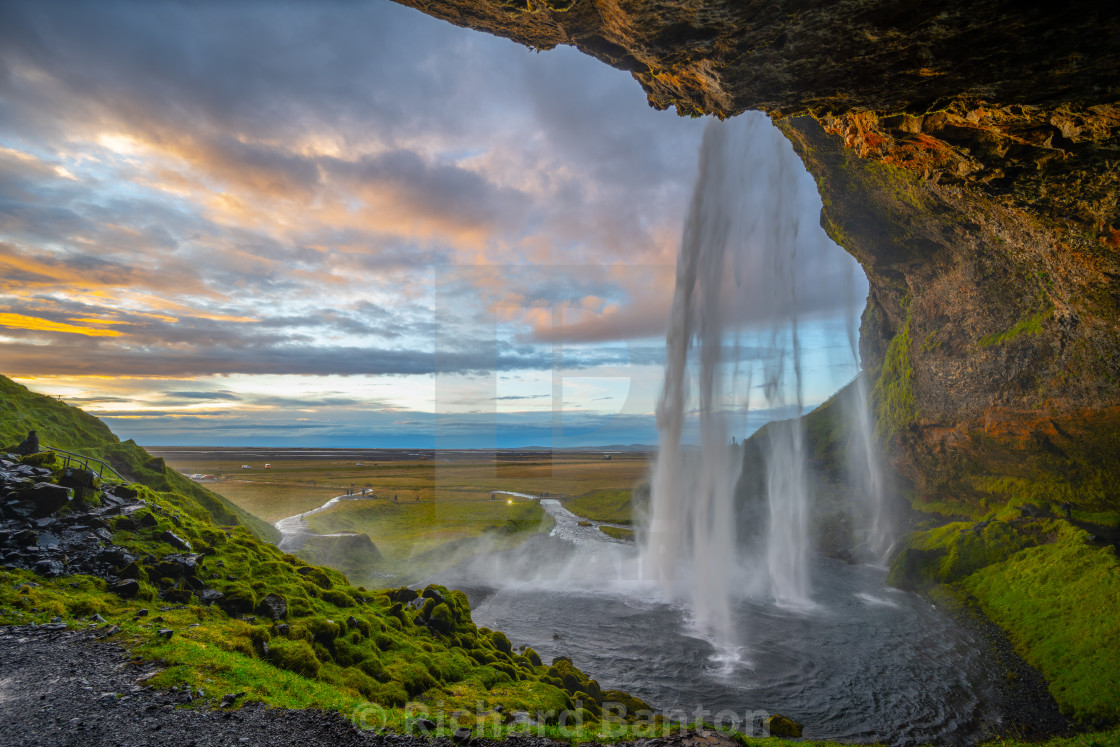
x=780 y=726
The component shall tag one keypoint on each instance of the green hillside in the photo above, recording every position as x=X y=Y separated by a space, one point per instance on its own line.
x=65 y=427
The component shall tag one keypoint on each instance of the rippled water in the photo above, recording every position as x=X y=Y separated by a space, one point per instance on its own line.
x=866 y=663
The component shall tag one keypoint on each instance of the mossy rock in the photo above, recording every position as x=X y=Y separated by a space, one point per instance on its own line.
x=295 y=656
x=317 y=576
x=780 y=726
x=625 y=705
x=441 y=619
x=914 y=570
x=374 y=668
x=40 y=459
x=414 y=678
x=533 y=657
x=501 y=642
x=237 y=601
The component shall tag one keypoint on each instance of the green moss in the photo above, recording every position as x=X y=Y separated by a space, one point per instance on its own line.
x=295 y=656
x=1031 y=325
x=1059 y=603
x=893 y=394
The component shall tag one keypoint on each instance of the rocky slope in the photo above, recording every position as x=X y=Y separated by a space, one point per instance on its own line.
x=968 y=155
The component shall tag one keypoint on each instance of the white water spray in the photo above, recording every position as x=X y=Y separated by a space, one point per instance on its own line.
x=745 y=220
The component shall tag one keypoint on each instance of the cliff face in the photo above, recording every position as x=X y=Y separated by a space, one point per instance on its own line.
x=968 y=155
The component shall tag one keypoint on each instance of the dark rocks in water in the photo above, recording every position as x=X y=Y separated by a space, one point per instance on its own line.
x=273 y=606
x=125 y=588
x=780 y=726
x=176 y=541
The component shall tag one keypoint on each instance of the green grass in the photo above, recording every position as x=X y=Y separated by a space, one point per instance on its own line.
x=65 y=427
x=1060 y=604
x=615 y=506
x=617 y=532
x=417 y=538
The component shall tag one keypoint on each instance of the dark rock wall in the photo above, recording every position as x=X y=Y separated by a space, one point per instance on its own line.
x=968 y=155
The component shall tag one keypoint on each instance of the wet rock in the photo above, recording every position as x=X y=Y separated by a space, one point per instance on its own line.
x=83 y=481
x=49 y=568
x=125 y=492
x=273 y=606
x=46 y=498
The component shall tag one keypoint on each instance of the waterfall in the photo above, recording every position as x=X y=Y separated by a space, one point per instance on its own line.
x=745 y=223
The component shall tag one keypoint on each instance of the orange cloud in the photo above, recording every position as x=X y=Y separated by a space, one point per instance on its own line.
x=19 y=321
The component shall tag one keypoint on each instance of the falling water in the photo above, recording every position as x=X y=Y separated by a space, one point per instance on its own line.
x=744 y=220
x=691 y=508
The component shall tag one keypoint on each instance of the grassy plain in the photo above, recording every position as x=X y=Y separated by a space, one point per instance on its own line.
x=424 y=508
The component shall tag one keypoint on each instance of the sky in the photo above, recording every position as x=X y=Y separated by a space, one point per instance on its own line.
x=349 y=224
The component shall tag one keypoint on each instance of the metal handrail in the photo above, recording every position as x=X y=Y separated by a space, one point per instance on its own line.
x=85 y=462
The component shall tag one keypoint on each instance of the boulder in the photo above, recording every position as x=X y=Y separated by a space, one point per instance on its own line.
x=83 y=481
x=46 y=498
x=424 y=725
x=403 y=595
x=462 y=735
x=49 y=567
x=177 y=565
x=209 y=596
x=273 y=606
x=125 y=588
x=780 y=726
